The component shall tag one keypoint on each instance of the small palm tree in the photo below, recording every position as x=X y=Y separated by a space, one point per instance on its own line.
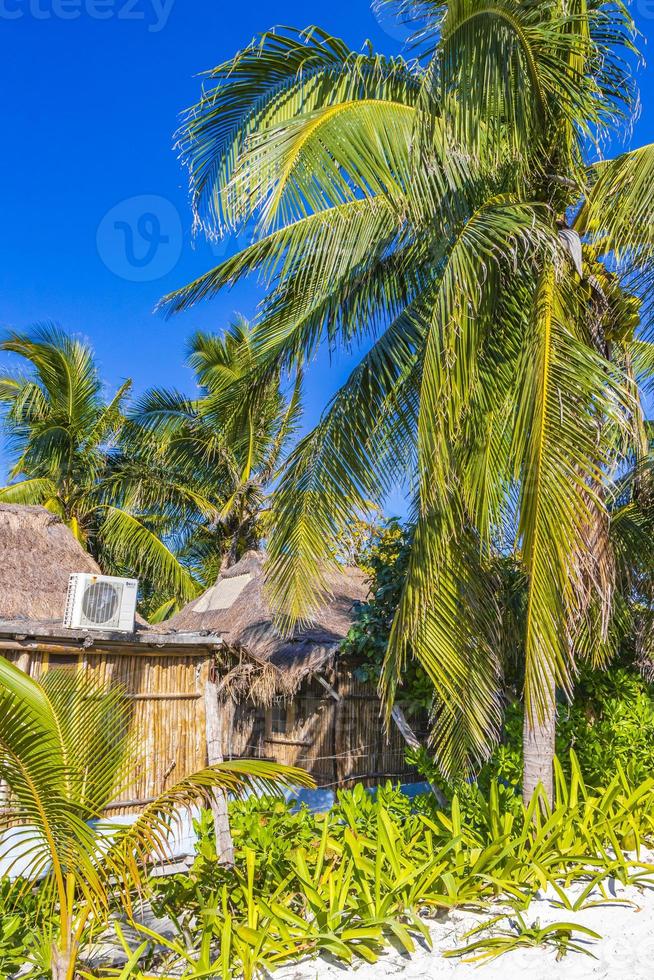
x=453 y=208
x=64 y=436
x=65 y=754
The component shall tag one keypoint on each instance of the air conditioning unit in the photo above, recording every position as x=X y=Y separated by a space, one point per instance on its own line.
x=101 y=602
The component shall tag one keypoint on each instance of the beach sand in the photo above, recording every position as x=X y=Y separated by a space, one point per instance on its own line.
x=626 y=949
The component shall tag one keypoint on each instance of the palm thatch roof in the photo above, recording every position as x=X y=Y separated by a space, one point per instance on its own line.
x=236 y=608
x=37 y=555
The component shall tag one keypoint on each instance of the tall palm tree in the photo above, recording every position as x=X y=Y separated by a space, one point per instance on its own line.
x=455 y=210
x=207 y=462
x=65 y=754
x=63 y=436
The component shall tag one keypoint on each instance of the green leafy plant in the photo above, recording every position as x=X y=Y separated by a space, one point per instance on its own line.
x=559 y=935
x=385 y=560
x=370 y=871
x=64 y=754
x=583 y=900
x=17 y=922
x=610 y=722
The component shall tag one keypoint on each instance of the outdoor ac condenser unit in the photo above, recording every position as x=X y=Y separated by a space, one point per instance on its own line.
x=101 y=602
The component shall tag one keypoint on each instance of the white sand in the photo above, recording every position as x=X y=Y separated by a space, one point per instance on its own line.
x=626 y=949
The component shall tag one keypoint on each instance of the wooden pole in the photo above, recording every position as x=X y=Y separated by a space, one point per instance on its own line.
x=213 y=719
x=23 y=663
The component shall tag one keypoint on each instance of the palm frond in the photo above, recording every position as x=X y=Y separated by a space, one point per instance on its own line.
x=449 y=620
x=280 y=75
x=148 y=838
x=361 y=447
x=38 y=490
x=35 y=764
x=94 y=724
x=567 y=391
x=130 y=541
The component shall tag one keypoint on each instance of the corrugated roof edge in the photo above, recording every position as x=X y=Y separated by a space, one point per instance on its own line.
x=23 y=629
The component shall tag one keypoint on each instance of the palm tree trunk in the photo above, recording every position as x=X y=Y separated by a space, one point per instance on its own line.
x=61 y=963
x=538 y=740
x=232 y=554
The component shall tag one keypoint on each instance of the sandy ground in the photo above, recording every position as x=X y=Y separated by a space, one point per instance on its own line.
x=626 y=949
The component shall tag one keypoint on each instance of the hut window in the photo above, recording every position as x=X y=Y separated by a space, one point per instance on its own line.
x=280 y=718
x=63 y=661
x=279 y=723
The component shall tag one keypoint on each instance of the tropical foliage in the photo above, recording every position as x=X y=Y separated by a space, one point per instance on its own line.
x=452 y=217
x=385 y=559
x=352 y=881
x=455 y=209
x=17 y=924
x=65 y=754
x=64 y=437
x=204 y=466
x=611 y=714
x=167 y=489
x=610 y=721
x=370 y=872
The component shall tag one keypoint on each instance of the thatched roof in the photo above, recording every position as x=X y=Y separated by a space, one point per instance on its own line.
x=37 y=555
x=236 y=608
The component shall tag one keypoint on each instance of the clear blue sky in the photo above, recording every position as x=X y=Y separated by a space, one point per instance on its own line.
x=92 y=90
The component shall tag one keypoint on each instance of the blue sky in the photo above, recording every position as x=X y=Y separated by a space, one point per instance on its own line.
x=92 y=90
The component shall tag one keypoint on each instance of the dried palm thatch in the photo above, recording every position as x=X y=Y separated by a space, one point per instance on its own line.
x=37 y=555
x=268 y=662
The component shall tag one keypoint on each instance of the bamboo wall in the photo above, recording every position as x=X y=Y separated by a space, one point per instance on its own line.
x=168 y=722
x=338 y=741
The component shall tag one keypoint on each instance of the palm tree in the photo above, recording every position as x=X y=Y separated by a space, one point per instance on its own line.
x=632 y=532
x=207 y=462
x=452 y=208
x=65 y=754
x=63 y=436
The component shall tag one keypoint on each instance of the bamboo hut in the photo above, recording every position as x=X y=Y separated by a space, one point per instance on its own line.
x=165 y=675
x=217 y=680
x=296 y=700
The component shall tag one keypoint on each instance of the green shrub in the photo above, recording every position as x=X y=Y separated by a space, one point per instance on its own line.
x=385 y=561
x=611 y=719
x=17 y=924
x=610 y=722
x=270 y=828
x=350 y=881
